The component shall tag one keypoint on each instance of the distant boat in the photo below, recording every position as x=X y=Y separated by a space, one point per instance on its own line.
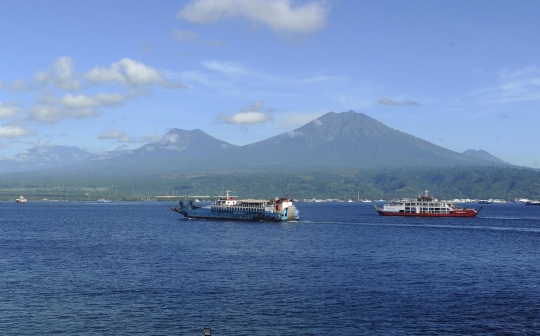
x=532 y=203
x=486 y=201
x=21 y=199
x=102 y=200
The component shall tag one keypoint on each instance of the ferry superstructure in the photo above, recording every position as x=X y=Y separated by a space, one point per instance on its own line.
x=425 y=206
x=229 y=207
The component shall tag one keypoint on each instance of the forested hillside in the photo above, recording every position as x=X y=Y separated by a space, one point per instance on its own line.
x=442 y=182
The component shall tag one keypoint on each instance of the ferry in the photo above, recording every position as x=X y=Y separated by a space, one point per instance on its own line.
x=229 y=207
x=425 y=206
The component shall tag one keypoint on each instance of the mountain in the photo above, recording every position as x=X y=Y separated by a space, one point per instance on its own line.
x=52 y=156
x=43 y=157
x=351 y=140
x=345 y=140
x=185 y=143
x=483 y=155
x=177 y=151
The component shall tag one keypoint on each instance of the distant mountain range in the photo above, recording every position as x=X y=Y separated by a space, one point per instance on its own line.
x=335 y=140
x=46 y=156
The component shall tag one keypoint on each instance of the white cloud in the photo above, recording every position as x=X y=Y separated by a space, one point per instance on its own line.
x=20 y=86
x=257 y=106
x=129 y=72
x=293 y=134
x=14 y=131
x=170 y=139
x=60 y=75
x=122 y=137
x=114 y=134
x=9 y=109
x=53 y=114
x=152 y=138
x=226 y=68
x=278 y=15
x=45 y=113
x=52 y=110
x=250 y=114
x=83 y=101
x=245 y=118
x=518 y=85
x=80 y=113
x=390 y=102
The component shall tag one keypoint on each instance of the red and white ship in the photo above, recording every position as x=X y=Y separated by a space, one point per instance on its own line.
x=425 y=206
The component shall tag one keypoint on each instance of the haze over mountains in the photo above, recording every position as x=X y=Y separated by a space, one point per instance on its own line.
x=335 y=140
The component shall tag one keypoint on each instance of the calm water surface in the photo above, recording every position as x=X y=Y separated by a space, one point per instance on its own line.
x=79 y=268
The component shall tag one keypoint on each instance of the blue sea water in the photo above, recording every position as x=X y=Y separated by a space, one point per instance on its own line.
x=76 y=268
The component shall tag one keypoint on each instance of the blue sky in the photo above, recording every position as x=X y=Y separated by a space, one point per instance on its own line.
x=105 y=75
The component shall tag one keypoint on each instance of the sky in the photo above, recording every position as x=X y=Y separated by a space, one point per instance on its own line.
x=111 y=75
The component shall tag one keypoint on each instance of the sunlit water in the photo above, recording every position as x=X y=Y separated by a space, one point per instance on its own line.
x=137 y=268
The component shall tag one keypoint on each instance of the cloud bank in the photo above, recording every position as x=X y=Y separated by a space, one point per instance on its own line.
x=251 y=114
x=278 y=15
x=9 y=109
x=122 y=137
x=14 y=131
x=55 y=100
x=390 y=102
x=130 y=72
x=60 y=75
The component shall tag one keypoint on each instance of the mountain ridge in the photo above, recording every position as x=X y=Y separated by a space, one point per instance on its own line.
x=334 y=140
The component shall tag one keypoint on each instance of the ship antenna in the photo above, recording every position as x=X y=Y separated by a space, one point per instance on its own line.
x=426 y=192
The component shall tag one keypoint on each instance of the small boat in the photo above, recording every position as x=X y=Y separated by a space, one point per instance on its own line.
x=486 y=201
x=102 y=200
x=21 y=199
x=535 y=202
x=229 y=207
x=425 y=206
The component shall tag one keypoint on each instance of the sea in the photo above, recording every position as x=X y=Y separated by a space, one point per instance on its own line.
x=126 y=268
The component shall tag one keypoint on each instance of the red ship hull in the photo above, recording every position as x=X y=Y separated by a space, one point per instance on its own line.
x=458 y=213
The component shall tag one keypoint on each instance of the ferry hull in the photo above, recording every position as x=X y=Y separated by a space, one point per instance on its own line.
x=469 y=213
x=240 y=217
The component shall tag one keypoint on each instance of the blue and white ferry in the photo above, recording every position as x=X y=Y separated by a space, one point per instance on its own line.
x=228 y=207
